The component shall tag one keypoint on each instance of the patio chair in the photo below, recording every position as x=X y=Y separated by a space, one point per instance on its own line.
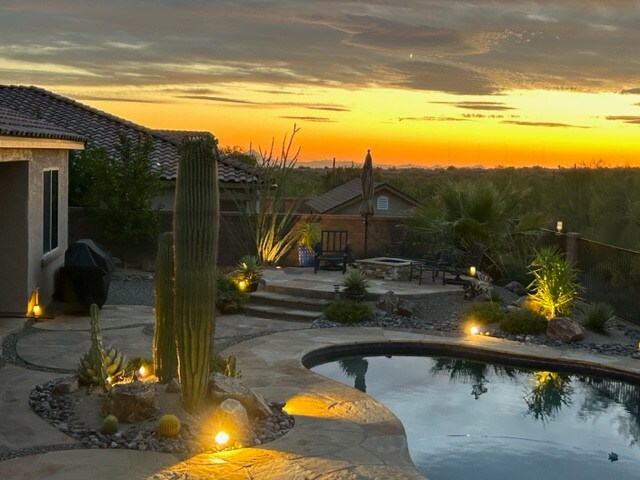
x=333 y=250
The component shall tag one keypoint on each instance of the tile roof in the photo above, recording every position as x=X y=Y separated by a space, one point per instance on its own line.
x=339 y=196
x=349 y=192
x=101 y=129
x=16 y=125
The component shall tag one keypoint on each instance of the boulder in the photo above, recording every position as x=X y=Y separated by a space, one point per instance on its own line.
x=65 y=385
x=173 y=386
x=231 y=417
x=405 y=309
x=565 y=329
x=131 y=402
x=222 y=387
x=516 y=287
x=388 y=302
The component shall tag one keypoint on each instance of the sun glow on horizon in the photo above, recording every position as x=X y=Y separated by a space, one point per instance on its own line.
x=519 y=128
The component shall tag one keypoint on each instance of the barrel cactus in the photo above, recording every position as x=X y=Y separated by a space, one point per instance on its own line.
x=168 y=426
x=195 y=236
x=165 y=359
x=109 y=424
x=100 y=365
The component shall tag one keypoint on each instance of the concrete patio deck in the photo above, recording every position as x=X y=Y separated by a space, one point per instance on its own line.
x=340 y=433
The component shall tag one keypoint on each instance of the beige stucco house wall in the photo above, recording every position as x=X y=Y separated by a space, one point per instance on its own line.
x=23 y=265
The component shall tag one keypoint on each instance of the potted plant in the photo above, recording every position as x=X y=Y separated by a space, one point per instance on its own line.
x=248 y=273
x=308 y=236
x=355 y=286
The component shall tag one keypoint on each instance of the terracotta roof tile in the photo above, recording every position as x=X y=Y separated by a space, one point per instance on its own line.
x=102 y=129
x=17 y=125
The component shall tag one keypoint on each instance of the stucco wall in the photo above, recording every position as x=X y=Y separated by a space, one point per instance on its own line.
x=21 y=194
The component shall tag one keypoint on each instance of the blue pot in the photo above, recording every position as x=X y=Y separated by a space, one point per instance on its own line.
x=305 y=257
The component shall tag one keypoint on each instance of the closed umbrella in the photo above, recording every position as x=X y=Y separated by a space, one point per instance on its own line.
x=366 y=208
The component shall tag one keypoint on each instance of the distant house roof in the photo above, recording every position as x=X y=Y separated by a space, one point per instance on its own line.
x=17 y=125
x=101 y=129
x=349 y=192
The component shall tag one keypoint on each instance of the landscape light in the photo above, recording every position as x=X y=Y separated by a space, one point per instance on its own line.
x=221 y=438
x=559 y=226
x=475 y=330
x=472 y=271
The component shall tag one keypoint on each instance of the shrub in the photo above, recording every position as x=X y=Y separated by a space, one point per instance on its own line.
x=483 y=313
x=596 y=317
x=348 y=311
x=229 y=298
x=524 y=321
x=494 y=296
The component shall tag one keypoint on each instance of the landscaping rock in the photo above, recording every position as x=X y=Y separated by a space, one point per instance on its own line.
x=405 y=309
x=65 y=385
x=565 y=329
x=231 y=417
x=517 y=288
x=131 y=402
x=388 y=302
x=173 y=386
x=222 y=387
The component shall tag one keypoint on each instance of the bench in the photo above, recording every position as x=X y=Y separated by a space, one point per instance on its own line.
x=333 y=250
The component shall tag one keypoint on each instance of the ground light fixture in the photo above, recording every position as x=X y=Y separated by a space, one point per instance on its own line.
x=472 y=271
x=36 y=310
x=222 y=438
x=474 y=330
x=559 y=226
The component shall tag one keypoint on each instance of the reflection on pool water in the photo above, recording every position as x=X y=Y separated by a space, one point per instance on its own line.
x=466 y=419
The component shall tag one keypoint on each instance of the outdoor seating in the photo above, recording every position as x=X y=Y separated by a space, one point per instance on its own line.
x=453 y=261
x=332 y=251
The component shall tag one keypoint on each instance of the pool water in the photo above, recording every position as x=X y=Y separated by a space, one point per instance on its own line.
x=472 y=420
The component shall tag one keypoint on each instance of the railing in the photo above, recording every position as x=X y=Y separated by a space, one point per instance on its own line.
x=610 y=275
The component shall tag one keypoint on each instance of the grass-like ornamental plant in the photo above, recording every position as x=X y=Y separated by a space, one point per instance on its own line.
x=248 y=272
x=555 y=282
x=348 y=311
x=109 y=424
x=523 y=322
x=483 y=313
x=169 y=426
x=596 y=317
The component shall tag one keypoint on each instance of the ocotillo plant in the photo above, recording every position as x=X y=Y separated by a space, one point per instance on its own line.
x=195 y=229
x=165 y=357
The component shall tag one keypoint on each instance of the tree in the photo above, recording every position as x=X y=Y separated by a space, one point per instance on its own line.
x=118 y=192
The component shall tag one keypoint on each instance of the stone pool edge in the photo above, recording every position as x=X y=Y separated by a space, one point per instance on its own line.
x=341 y=431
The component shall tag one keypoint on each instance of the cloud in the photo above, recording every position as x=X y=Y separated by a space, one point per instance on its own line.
x=116 y=99
x=431 y=119
x=632 y=119
x=468 y=48
x=479 y=105
x=542 y=124
x=307 y=119
x=211 y=98
x=630 y=91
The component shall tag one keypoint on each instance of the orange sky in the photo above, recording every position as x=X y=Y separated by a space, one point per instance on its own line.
x=423 y=82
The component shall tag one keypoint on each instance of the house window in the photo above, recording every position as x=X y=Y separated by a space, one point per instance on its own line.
x=50 y=211
x=383 y=202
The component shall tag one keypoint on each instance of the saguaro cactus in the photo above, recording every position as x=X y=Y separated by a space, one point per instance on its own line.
x=195 y=238
x=165 y=357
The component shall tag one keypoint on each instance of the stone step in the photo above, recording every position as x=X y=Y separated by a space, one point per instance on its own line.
x=283 y=300
x=280 y=313
x=308 y=291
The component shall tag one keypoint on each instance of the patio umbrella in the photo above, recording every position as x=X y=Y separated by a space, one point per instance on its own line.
x=366 y=208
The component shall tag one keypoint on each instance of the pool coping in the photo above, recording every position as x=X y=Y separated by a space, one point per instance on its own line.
x=340 y=429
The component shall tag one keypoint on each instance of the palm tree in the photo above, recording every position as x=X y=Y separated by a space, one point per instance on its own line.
x=479 y=212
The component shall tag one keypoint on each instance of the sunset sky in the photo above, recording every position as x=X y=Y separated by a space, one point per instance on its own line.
x=420 y=82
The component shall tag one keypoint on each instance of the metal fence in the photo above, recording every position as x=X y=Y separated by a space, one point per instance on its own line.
x=610 y=275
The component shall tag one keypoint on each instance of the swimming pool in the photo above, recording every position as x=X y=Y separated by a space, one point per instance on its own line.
x=468 y=419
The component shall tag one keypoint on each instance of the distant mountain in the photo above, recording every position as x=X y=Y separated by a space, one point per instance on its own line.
x=329 y=163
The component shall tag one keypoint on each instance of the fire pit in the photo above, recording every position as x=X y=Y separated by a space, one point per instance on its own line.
x=387 y=268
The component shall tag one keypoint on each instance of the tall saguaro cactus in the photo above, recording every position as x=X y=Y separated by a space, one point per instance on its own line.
x=195 y=229
x=165 y=357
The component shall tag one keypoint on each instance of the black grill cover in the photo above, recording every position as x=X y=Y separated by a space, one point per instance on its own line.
x=87 y=270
